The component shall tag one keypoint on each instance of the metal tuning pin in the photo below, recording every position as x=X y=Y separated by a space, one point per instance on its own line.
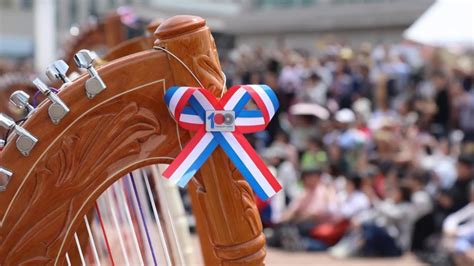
x=57 y=71
x=94 y=85
x=25 y=141
x=5 y=177
x=2 y=144
x=58 y=109
x=20 y=99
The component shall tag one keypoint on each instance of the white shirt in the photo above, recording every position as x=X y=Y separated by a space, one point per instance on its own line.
x=461 y=223
x=349 y=205
x=287 y=175
x=277 y=202
x=315 y=94
x=422 y=202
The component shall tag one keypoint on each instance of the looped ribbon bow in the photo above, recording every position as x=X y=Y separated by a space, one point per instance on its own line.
x=188 y=105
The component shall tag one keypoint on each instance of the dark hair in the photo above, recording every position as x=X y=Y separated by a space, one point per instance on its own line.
x=438 y=74
x=335 y=169
x=385 y=167
x=283 y=134
x=310 y=172
x=273 y=66
x=315 y=76
x=356 y=180
x=466 y=160
x=420 y=176
x=406 y=193
x=316 y=140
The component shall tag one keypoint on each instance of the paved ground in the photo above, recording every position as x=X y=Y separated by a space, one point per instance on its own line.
x=279 y=257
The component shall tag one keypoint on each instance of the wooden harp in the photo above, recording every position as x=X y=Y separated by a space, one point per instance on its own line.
x=125 y=127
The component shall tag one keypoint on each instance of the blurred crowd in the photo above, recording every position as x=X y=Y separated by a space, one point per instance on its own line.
x=374 y=146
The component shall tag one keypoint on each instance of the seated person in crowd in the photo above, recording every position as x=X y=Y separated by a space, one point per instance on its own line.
x=312 y=204
x=384 y=230
x=314 y=156
x=352 y=201
x=314 y=90
x=306 y=211
x=423 y=204
x=276 y=158
x=389 y=234
x=420 y=197
x=348 y=203
x=458 y=232
x=457 y=196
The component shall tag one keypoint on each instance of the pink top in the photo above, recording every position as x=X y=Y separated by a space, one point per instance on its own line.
x=312 y=203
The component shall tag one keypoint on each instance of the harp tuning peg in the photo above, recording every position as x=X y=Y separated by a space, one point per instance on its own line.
x=6 y=122
x=57 y=71
x=5 y=177
x=84 y=58
x=58 y=109
x=20 y=99
x=94 y=85
x=25 y=141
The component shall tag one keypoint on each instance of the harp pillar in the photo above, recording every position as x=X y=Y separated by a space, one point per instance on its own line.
x=223 y=202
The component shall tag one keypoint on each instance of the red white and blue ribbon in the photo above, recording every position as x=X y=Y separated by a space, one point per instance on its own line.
x=188 y=105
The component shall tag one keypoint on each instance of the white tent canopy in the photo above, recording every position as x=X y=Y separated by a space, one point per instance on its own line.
x=447 y=23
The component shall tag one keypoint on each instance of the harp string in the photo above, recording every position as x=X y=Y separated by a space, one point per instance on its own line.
x=79 y=249
x=104 y=234
x=134 y=186
x=147 y=211
x=157 y=219
x=122 y=233
x=129 y=237
x=119 y=189
x=149 y=216
x=68 y=261
x=108 y=200
x=157 y=47
x=92 y=242
x=137 y=221
x=101 y=244
x=109 y=230
x=135 y=211
x=156 y=174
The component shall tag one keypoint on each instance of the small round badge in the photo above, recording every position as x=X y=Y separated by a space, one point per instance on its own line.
x=219 y=119
x=229 y=119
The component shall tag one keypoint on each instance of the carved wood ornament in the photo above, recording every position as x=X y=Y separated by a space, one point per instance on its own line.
x=125 y=127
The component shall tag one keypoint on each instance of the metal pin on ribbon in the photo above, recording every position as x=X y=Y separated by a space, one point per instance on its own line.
x=223 y=123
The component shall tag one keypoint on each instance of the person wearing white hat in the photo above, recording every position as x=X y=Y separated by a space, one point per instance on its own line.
x=345 y=116
x=350 y=137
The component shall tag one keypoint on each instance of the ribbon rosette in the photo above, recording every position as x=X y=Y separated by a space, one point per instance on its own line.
x=189 y=106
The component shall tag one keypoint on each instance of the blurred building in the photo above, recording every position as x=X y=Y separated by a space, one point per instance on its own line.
x=298 y=22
